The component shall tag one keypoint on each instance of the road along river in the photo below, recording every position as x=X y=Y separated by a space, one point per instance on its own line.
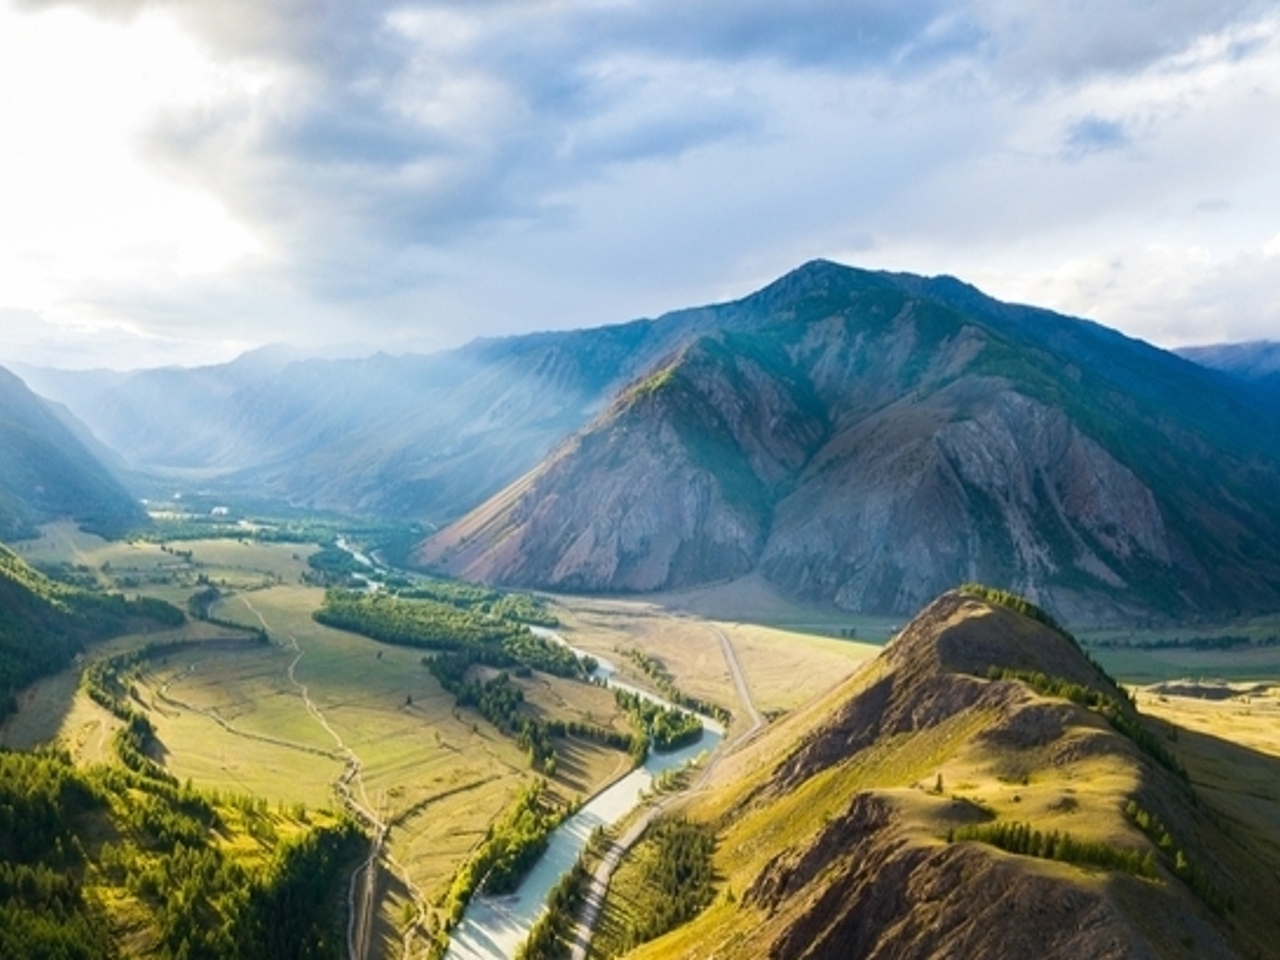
x=492 y=928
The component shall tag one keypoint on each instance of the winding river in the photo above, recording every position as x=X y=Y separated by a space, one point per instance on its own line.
x=492 y=928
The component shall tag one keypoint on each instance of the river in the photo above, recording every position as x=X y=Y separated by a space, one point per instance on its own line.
x=492 y=928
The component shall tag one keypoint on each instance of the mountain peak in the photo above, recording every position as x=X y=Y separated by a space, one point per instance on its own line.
x=873 y=439
x=974 y=629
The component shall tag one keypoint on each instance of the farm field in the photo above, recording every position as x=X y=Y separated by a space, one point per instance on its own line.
x=230 y=716
x=751 y=599
x=1170 y=652
x=1143 y=666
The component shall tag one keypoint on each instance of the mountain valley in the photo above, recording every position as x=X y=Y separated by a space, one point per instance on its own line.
x=354 y=652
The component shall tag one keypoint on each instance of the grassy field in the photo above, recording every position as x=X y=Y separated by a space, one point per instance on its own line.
x=1142 y=666
x=770 y=658
x=1229 y=738
x=230 y=715
x=782 y=668
x=168 y=571
x=751 y=599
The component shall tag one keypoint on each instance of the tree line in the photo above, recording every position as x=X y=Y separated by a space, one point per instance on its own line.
x=152 y=848
x=1023 y=839
x=429 y=624
x=511 y=847
x=1178 y=862
x=667 y=728
x=43 y=624
x=656 y=671
x=501 y=702
x=675 y=881
x=551 y=934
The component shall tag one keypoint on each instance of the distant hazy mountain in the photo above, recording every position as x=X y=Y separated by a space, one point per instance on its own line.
x=874 y=439
x=422 y=437
x=1257 y=362
x=47 y=472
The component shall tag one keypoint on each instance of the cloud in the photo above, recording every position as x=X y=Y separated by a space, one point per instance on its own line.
x=27 y=337
x=435 y=170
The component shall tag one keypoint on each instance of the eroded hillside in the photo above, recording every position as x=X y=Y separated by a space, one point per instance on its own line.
x=859 y=440
x=871 y=824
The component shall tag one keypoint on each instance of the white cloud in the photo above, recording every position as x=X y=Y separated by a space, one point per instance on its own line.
x=252 y=171
x=77 y=202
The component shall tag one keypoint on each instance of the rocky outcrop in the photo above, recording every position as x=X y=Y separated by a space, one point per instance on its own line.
x=883 y=896
x=1009 y=491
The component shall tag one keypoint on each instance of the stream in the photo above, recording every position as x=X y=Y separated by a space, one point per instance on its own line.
x=492 y=928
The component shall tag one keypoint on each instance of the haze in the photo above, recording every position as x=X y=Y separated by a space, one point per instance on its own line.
x=180 y=181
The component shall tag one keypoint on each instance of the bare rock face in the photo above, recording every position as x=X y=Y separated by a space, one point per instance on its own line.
x=858 y=443
x=883 y=896
x=1011 y=492
x=670 y=486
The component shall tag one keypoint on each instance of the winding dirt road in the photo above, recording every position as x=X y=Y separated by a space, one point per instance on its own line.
x=362 y=893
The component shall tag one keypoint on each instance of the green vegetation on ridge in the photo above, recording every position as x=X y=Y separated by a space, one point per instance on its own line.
x=44 y=624
x=655 y=670
x=1023 y=839
x=86 y=854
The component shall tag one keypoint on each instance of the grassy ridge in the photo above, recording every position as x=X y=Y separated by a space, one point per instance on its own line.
x=44 y=624
x=88 y=853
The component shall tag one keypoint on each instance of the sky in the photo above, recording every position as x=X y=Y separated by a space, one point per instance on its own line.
x=181 y=181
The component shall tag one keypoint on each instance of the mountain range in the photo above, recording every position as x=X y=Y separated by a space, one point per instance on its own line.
x=874 y=439
x=859 y=438
x=48 y=470
x=1256 y=362
x=421 y=437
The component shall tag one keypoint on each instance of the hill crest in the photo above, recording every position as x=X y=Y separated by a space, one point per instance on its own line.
x=866 y=824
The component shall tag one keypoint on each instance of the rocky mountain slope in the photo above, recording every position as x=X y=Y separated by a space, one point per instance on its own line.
x=47 y=472
x=868 y=823
x=873 y=439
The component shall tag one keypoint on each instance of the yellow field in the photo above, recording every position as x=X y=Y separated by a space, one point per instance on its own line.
x=782 y=669
x=232 y=715
x=1231 y=747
